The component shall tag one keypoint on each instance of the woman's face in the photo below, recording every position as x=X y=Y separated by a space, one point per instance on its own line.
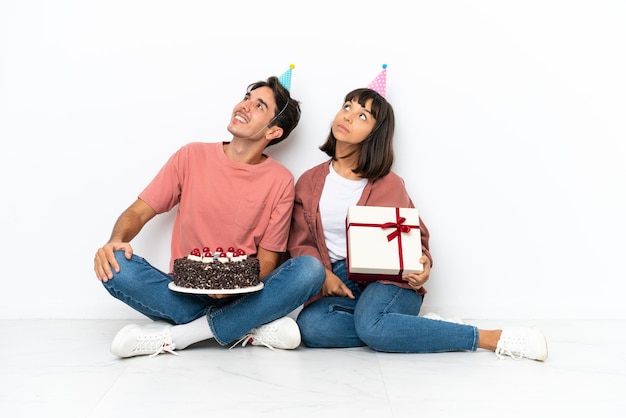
x=353 y=122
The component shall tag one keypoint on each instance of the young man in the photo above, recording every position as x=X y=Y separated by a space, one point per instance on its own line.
x=225 y=192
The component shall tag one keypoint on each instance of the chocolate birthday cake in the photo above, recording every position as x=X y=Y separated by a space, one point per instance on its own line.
x=218 y=270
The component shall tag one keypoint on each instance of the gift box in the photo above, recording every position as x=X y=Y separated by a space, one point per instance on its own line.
x=383 y=243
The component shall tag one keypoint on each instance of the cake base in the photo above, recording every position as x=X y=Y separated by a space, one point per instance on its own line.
x=216 y=275
x=194 y=291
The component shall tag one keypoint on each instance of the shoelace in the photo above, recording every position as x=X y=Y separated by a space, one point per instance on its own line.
x=503 y=353
x=248 y=338
x=165 y=348
x=157 y=344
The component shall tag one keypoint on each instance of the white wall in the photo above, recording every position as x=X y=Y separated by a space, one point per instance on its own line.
x=510 y=134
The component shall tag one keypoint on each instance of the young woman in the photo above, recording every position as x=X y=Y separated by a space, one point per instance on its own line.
x=382 y=315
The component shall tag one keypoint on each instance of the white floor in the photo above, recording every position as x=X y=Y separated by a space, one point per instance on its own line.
x=63 y=368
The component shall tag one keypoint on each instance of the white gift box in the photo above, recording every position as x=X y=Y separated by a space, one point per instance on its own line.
x=383 y=243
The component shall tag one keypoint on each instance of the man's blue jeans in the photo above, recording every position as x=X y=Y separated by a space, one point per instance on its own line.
x=145 y=289
x=383 y=317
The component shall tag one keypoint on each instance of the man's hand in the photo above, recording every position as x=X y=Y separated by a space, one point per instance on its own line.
x=125 y=229
x=104 y=262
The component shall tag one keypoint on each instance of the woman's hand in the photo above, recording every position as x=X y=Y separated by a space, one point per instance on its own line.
x=333 y=286
x=415 y=280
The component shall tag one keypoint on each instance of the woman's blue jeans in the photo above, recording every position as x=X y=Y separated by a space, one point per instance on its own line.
x=145 y=289
x=383 y=317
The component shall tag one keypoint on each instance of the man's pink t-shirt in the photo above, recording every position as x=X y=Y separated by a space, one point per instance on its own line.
x=222 y=203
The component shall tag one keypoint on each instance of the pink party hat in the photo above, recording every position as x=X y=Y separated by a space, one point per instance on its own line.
x=285 y=79
x=379 y=84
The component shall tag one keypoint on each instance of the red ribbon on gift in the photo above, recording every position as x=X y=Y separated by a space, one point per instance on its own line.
x=400 y=228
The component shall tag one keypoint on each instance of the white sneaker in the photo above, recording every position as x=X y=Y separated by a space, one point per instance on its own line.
x=135 y=340
x=282 y=333
x=454 y=318
x=521 y=342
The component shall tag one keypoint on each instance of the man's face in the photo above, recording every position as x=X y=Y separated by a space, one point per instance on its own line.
x=251 y=116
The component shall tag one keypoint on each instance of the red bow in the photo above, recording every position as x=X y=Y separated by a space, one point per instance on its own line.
x=399 y=228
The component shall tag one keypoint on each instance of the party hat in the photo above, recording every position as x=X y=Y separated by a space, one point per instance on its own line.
x=285 y=79
x=379 y=84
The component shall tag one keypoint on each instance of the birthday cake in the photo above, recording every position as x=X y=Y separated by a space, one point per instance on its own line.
x=218 y=270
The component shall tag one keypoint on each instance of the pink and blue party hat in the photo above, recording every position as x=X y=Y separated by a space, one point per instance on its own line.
x=379 y=84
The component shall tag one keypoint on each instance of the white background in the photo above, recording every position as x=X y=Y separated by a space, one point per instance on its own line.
x=510 y=134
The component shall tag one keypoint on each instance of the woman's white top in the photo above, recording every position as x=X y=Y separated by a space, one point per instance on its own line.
x=339 y=193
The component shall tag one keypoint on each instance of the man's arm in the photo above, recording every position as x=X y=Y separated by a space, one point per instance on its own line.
x=126 y=228
x=268 y=261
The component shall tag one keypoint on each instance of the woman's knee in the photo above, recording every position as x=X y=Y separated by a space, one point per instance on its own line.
x=308 y=322
x=366 y=326
x=372 y=337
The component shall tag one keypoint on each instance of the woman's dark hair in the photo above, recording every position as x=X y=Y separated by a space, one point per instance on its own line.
x=376 y=151
x=287 y=114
